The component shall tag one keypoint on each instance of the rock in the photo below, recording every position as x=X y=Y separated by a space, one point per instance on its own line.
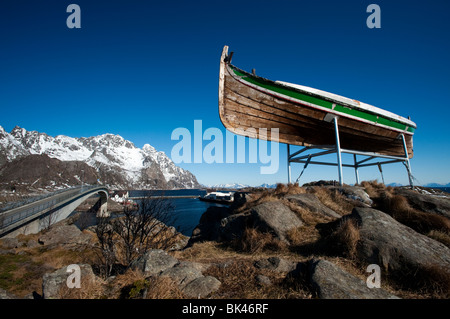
x=426 y=203
x=331 y=282
x=9 y=243
x=388 y=243
x=275 y=217
x=181 y=243
x=233 y=226
x=53 y=282
x=5 y=252
x=62 y=235
x=312 y=204
x=239 y=199
x=33 y=295
x=6 y=295
x=154 y=262
x=32 y=244
x=193 y=264
x=263 y=280
x=208 y=227
x=276 y=264
x=201 y=287
x=182 y=274
x=356 y=193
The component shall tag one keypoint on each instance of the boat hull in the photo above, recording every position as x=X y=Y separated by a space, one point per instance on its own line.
x=245 y=106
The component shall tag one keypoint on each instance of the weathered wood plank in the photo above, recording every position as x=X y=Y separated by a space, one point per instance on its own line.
x=242 y=106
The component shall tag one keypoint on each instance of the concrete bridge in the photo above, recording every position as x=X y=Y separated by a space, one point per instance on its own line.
x=35 y=216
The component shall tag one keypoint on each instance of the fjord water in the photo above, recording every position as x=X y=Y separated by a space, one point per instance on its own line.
x=187 y=211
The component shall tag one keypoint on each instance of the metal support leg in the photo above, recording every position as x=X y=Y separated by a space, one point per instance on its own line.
x=356 y=169
x=338 y=151
x=407 y=164
x=289 y=163
x=381 y=171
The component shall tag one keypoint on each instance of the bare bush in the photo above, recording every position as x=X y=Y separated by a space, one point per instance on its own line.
x=128 y=237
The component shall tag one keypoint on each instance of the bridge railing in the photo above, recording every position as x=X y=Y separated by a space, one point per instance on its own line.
x=20 y=213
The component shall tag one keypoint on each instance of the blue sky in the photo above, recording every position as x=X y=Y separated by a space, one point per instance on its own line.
x=141 y=69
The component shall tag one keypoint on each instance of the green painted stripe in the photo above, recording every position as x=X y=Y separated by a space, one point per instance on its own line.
x=272 y=86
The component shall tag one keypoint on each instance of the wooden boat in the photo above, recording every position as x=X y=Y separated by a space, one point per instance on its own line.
x=304 y=116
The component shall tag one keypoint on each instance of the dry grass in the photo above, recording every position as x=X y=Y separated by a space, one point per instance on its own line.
x=420 y=221
x=269 y=195
x=21 y=273
x=133 y=284
x=373 y=188
x=398 y=207
x=288 y=189
x=239 y=281
x=253 y=241
x=205 y=252
x=333 y=199
x=163 y=288
x=443 y=237
x=430 y=282
x=347 y=237
x=90 y=289
x=308 y=233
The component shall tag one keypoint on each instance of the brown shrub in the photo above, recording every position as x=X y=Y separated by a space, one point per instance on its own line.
x=163 y=288
x=373 y=188
x=253 y=241
x=239 y=281
x=333 y=199
x=288 y=189
x=303 y=235
x=398 y=207
x=90 y=289
x=346 y=238
x=443 y=237
x=431 y=281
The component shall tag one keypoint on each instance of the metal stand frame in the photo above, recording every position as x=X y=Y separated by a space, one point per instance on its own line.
x=369 y=159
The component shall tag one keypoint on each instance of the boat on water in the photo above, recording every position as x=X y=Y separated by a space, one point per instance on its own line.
x=218 y=197
x=304 y=116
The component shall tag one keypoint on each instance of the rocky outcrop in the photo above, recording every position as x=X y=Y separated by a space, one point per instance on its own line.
x=276 y=218
x=233 y=226
x=312 y=204
x=154 y=262
x=276 y=264
x=426 y=203
x=201 y=287
x=62 y=234
x=355 y=193
x=182 y=274
x=209 y=224
x=53 y=283
x=331 y=282
x=220 y=224
x=6 y=295
x=187 y=276
x=396 y=247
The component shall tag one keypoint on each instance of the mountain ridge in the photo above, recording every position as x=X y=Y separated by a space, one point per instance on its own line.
x=118 y=163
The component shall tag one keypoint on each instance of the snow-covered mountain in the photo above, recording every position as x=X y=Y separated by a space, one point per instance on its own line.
x=118 y=162
x=230 y=185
